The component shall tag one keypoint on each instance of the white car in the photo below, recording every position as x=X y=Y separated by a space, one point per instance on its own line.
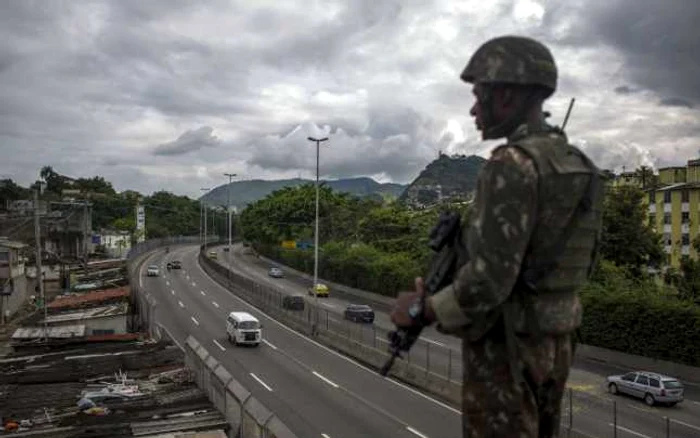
x=153 y=271
x=243 y=328
x=652 y=387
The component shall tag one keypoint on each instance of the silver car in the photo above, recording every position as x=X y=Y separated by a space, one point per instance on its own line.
x=275 y=272
x=652 y=387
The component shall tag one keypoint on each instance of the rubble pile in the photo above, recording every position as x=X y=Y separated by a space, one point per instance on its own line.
x=122 y=390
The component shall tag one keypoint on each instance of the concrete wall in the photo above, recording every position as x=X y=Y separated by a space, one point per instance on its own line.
x=11 y=303
x=246 y=416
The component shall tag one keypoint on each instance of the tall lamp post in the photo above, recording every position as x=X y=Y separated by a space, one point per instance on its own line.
x=204 y=207
x=318 y=142
x=228 y=213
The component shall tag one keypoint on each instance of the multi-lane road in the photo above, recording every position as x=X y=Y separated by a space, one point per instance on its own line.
x=592 y=406
x=318 y=392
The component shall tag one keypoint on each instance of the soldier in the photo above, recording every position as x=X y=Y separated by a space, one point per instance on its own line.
x=531 y=240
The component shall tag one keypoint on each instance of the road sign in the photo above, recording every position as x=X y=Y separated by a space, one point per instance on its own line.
x=289 y=244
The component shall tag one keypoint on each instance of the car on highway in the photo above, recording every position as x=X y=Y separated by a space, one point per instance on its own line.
x=226 y=249
x=177 y=264
x=293 y=302
x=651 y=387
x=213 y=255
x=275 y=272
x=359 y=313
x=320 y=290
x=152 y=271
x=243 y=328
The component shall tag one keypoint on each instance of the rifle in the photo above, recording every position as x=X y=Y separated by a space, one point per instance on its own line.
x=446 y=241
x=568 y=113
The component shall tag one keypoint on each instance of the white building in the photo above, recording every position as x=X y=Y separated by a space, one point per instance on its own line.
x=116 y=243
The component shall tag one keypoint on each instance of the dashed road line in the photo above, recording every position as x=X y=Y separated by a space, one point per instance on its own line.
x=330 y=382
x=325 y=435
x=433 y=342
x=172 y=291
x=180 y=304
x=167 y=282
x=415 y=432
x=221 y=347
x=685 y=424
x=624 y=429
x=203 y=293
x=261 y=382
x=194 y=284
x=194 y=320
x=269 y=344
x=215 y=304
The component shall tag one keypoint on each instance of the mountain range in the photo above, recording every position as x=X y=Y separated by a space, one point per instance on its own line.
x=449 y=177
x=245 y=192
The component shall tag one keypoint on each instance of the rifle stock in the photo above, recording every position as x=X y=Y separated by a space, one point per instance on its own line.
x=446 y=241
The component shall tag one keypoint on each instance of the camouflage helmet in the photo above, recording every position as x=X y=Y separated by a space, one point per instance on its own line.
x=512 y=60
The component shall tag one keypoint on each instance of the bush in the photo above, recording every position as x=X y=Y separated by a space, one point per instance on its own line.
x=355 y=265
x=641 y=320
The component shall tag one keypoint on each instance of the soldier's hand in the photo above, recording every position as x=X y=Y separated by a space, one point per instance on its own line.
x=400 y=315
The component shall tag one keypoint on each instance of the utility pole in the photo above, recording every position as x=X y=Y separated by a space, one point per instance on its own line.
x=85 y=239
x=39 y=271
x=204 y=207
x=318 y=144
x=228 y=213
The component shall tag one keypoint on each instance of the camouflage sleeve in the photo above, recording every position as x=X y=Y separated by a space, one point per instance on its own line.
x=501 y=222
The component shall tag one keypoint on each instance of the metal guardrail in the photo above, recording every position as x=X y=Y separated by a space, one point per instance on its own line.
x=427 y=369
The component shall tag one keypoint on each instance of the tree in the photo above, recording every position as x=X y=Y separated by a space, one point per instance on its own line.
x=627 y=239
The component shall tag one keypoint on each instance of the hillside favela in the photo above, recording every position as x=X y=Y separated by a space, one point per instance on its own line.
x=349 y=219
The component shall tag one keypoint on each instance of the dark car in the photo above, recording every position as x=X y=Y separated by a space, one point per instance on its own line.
x=293 y=302
x=359 y=313
x=176 y=264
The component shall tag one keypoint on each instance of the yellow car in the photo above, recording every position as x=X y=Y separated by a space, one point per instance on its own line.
x=212 y=254
x=320 y=289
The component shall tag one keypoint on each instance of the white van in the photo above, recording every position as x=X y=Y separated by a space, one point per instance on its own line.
x=243 y=328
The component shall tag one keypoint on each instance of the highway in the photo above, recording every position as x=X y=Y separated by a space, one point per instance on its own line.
x=592 y=405
x=313 y=390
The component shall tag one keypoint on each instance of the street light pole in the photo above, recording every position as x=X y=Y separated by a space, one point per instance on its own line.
x=228 y=213
x=39 y=273
x=318 y=145
x=204 y=207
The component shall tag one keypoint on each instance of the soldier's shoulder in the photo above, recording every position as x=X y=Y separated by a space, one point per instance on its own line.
x=514 y=157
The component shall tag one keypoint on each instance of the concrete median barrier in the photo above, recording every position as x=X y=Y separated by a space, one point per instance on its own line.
x=246 y=416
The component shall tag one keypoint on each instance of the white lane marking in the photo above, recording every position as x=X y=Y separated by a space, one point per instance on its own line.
x=325 y=379
x=261 y=382
x=203 y=293
x=180 y=304
x=697 y=403
x=215 y=304
x=188 y=276
x=172 y=291
x=194 y=284
x=269 y=344
x=194 y=320
x=433 y=342
x=325 y=436
x=221 y=347
x=335 y=353
x=329 y=305
x=167 y=282
x=685 y=424
x=624 y=429
x=415 y=432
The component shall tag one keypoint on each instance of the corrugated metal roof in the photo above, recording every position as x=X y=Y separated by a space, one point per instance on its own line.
x=97 y=296
x=65 y=332
x=12 y=244
x=93 y=312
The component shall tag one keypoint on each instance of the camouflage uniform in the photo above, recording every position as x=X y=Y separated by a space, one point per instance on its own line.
x=531 y=245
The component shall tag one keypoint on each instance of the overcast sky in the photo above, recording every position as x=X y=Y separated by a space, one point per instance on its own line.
x=171 y=94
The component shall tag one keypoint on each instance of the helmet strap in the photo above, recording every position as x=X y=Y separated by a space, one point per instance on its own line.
x=505 y=128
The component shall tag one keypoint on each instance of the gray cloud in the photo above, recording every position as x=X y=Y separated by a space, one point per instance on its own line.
x=658 y=40
x=676 y=101
x=92 y=88
x=189 y=141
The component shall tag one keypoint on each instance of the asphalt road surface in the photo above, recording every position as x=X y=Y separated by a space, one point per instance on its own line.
x=595 y=412
x=313 y=390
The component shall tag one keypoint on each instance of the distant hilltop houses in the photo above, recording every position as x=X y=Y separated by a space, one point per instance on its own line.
x=673 y=197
